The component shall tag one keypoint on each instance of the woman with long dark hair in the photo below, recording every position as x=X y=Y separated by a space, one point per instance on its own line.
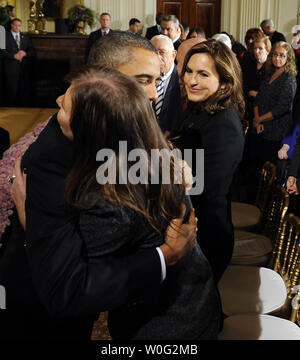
x=212 y=121
x=119 y=214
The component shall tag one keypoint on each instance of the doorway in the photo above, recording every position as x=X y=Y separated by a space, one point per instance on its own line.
x=197 y=13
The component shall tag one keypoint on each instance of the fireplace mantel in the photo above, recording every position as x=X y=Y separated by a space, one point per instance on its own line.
x=56 y=56
x=70 y=47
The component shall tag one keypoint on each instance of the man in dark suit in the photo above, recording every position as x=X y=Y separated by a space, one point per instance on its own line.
x=105 y=21
x=155 y=29
x=169 y=100
x=134 y=26
x=268 y=28
x=49 y=279
x=17 y=66
x=170 y=27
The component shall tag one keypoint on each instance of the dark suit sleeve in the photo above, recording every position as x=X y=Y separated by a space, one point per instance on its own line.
x=280 y=37
x=91 y=39
x=295 y=160
x=67 y=282
x=147 y=35
x=150 y=33
x=4 y=141
x=30 y=51
x=5 y=54
x=69 y=285
x=223 y=148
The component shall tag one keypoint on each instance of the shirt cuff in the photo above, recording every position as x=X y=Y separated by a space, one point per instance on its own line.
x=163 y=264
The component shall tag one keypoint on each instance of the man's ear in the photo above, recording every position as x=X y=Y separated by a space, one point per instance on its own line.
x=174 y=54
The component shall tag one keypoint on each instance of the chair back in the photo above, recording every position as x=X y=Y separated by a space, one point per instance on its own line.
x=276 y=209
x=245 y=125
x=287 y=254
x=266 y=179
x=295 y=302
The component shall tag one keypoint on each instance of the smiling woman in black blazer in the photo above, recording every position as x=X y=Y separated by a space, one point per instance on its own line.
x=212 y=121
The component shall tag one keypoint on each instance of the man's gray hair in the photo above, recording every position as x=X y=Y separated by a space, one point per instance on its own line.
x=115 y=49
x=267 y=23
x=171 y=18
x=166 y=38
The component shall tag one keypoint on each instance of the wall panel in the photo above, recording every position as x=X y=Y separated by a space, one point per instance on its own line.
x=240 y=15
x=237 y=15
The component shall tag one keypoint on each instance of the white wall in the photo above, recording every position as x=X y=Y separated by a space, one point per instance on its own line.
x=122 y=11
x=240 y=15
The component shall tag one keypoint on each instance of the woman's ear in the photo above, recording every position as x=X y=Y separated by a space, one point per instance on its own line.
x=222 y=88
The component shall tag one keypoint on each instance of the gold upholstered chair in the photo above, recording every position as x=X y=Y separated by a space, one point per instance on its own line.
x=286 y=259
x=256 y=249
x=261 y=290
x=295 y=315
x=247 y=216
x=245 y=125
x=285 y=326
x=258 y=327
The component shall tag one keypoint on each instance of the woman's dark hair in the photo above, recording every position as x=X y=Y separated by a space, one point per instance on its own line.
x=199 y=31
x=229 y=70
x=109 y=107
x=252 y=35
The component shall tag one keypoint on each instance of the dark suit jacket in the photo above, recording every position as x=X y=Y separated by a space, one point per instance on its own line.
x=294 y=168
x=221 y=137
x=152 y=31
x=14 y=68
x=4 y=141
x=93 y=37
x=171 y=104
x=177 y=44
x=276 y=37
x=51 y=278
x=186 y=307
x=8 y=25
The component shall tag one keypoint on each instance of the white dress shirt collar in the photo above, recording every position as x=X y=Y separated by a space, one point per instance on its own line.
x=15 y=34
x=174 y=41
x=105 y=31
x=169 y=73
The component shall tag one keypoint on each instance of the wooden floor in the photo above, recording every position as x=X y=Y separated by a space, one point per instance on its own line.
x=100 y=330
x=20 y=121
